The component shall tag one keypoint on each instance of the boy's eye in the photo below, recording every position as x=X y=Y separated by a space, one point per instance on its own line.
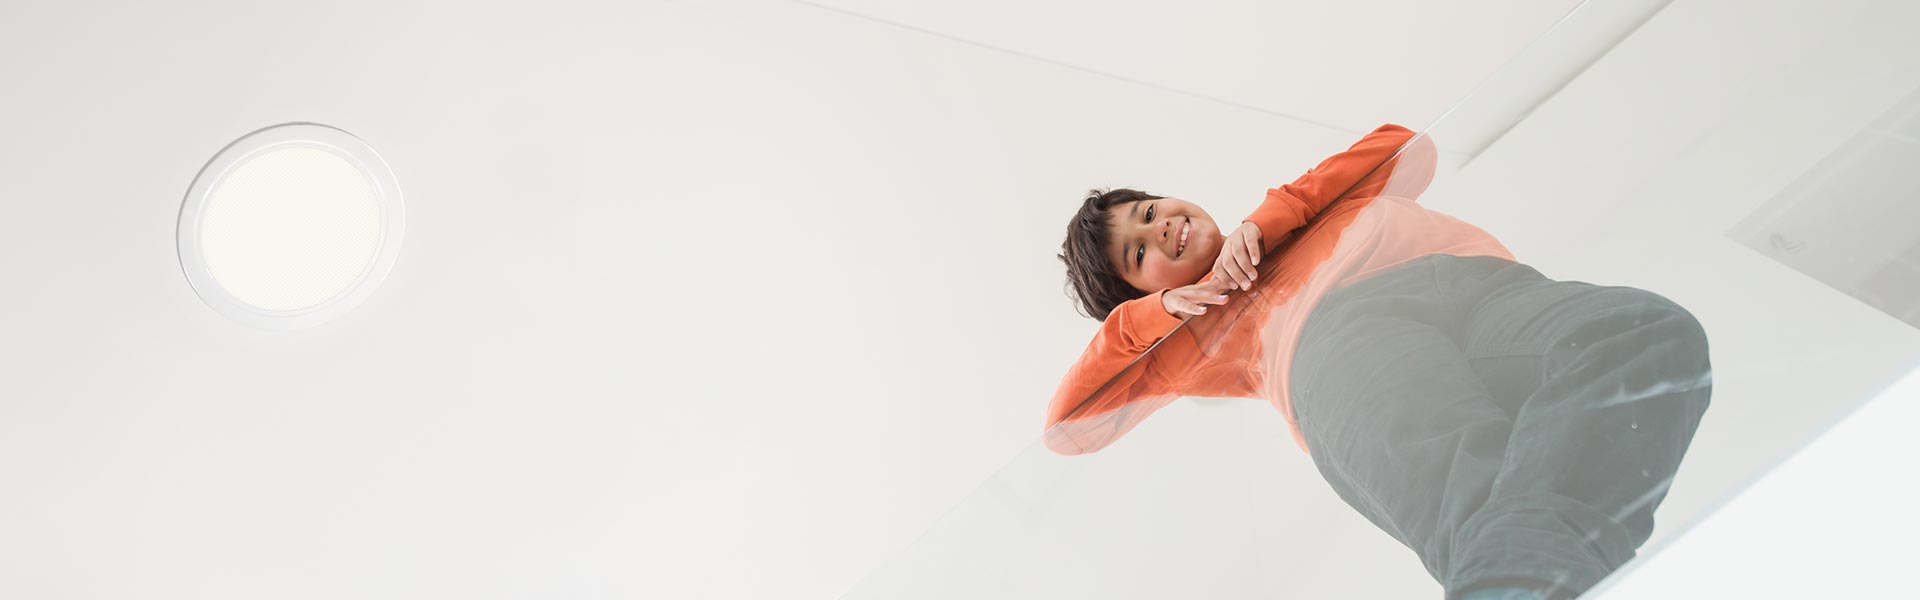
x=1140 y=256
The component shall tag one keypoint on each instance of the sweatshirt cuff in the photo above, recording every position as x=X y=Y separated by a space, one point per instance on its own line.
x=1275 y=218
x=1279 y=214
x=1148 y=314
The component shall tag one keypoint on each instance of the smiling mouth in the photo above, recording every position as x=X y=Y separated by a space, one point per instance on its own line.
x=1185 y=228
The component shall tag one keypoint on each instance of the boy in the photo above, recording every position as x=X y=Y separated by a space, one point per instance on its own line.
x=1432 y=367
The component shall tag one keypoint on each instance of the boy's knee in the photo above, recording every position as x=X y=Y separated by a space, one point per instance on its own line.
x=1687 y=338
x=1675 y=321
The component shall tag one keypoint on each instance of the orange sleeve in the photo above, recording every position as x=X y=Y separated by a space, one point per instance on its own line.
x=1078 y=421
x=1407 y=175
x=1289 y=206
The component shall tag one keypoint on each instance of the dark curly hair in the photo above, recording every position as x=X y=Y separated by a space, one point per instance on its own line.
x=1092 y=279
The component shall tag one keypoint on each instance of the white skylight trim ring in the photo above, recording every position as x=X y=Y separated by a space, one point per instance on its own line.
x=290 y=226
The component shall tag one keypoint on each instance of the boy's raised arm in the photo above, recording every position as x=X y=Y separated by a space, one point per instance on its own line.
x=1289 y=206
x=1079 y=422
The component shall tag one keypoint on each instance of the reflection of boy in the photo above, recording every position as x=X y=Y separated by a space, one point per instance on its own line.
x=1300 y=226
x=1435 y=364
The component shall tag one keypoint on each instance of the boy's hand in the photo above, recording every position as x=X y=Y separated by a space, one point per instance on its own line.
x=1239 y=254
x=1192 y=299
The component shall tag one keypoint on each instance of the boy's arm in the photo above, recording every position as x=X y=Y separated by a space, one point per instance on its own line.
x=1079 y=422
x=1289 y=206
x=1406 y=176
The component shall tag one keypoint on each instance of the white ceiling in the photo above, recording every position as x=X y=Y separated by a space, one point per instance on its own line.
x=706 y=299
x=1348 y=66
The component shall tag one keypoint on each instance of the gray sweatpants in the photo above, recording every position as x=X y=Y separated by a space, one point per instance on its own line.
x=1507 y=427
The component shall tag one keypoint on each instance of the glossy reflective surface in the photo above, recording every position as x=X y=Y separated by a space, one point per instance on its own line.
x=1536 y=422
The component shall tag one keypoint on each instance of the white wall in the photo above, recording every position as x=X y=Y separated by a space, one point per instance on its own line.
x=712 y=299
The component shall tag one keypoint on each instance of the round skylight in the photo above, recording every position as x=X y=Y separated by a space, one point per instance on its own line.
x=290 y=226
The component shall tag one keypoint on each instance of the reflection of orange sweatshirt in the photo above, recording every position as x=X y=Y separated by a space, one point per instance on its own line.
x=1358 y=220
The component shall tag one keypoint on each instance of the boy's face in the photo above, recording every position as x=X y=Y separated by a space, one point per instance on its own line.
x=1146 y=246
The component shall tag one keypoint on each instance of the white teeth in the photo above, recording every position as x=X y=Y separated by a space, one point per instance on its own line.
x=1183 y=237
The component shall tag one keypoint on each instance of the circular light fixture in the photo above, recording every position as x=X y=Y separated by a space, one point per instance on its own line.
x=290 y=226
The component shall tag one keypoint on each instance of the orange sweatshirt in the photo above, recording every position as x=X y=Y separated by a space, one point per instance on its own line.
x=1355 y=216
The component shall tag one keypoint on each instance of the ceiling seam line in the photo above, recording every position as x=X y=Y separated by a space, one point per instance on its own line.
x=1057 y=63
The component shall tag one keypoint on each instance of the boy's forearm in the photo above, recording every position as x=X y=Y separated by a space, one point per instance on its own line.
x=1289 y=206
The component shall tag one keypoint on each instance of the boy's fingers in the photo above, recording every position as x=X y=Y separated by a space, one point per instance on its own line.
x=1253 y=248
x=1237 y=263
x=1198 y=299
x=1218 y=284
x=1251 y=257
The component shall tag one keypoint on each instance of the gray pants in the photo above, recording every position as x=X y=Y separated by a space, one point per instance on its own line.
x=1509 y=428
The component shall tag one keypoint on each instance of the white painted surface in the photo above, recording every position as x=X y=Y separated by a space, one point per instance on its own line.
x=712 y=301
x=735 y=299
x=1834 y=521
x=1348 y=65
